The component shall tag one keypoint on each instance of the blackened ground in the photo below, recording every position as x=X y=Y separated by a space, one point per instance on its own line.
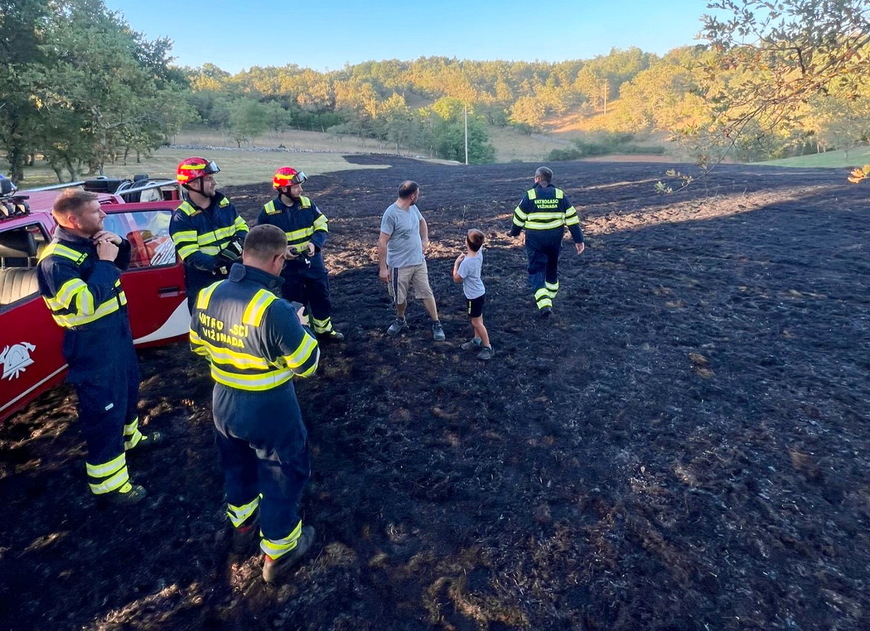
x=683 y=446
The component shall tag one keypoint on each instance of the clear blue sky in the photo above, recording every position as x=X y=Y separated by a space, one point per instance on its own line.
x=238 y=34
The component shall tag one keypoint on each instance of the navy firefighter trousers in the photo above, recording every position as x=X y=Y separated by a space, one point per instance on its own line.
x=543 y=248
x=104 y=370
x=278 y=466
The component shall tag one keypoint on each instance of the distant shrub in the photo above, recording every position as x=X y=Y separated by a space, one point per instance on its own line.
x=561 y=155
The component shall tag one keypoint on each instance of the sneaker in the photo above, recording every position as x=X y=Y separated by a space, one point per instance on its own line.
x=546 y=312
x=397 y=327
x=471 y=345
x=244 y=537
x=438 y=332
x=127 y=495
x=331 y=336
x=486 y=353
x=274 y=568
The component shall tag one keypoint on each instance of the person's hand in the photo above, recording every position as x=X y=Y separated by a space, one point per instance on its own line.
x=106 y=250
x=384 y=274
x=104 y=235
x=460 y=258
x=311 y=249
x=289 y=254
x=300 y=313
x=580 y=247
x=425 y=245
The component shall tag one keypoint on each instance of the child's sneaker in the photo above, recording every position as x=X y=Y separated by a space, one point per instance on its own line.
x=471 y=345
x=486 y=353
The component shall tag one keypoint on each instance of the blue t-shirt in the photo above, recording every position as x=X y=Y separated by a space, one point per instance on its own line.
x=405 y=247
x=469 y=270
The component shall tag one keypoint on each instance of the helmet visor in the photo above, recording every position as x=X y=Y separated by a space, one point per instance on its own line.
x=211 y=168
x=297 y=179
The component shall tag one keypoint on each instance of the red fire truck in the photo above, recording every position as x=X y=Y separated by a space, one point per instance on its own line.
x=30 y=342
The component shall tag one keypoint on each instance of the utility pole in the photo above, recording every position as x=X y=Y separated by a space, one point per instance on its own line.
x=466 y=134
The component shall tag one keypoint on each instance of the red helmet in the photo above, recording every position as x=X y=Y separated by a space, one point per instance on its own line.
x=195 y=168
x=288 y=176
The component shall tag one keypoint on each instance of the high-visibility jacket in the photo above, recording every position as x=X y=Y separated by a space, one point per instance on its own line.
x=544 y=209
x=80 y=289
x=199 y=234
x=301 y=222
x=252 y=338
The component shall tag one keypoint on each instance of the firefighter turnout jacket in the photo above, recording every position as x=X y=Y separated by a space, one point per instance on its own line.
x=545 y=209
x=545 y=212
x=251 y=338
x=199 y=235
x=301 y=222
x=255 y=346
x=305 y=278
x=85 y=298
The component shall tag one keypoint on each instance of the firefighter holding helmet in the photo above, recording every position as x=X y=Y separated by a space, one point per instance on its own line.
x=206 y=229
x=305 y=277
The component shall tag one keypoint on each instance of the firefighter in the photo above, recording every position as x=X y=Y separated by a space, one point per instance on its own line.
x=544 y=212
x=256 y=344
x=305 y=277
x=79 y=278
x=206 y=229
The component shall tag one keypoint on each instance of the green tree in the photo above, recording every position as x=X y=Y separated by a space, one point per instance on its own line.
x=248 y=119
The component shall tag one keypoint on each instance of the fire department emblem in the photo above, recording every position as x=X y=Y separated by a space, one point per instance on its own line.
x=15 y=359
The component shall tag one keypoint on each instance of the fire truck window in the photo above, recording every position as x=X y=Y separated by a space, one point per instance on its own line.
x=148 y=234
x=19 y=247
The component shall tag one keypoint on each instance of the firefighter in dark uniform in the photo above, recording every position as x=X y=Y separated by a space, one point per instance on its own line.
x=206 y=229
x=79 y=278
x=305 y=277
x=256 y=344
x=544 y=212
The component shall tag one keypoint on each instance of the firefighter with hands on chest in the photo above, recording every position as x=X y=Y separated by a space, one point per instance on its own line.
x=79 y=277
x=305 y=277
x=256 y=344
x=206 y=229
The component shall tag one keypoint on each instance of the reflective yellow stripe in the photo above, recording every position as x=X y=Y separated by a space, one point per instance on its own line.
x=205 y=295
x=518 y=212
x=186 y=251
x=531 y=194
x=107 y=468
x=321 y=224
x=277 y=548
x=64 y=251
x=305 y=202
x=67 y=294
x=111 y=484
x=253 y=314
x=270 y=208
x=233 y=358
x=183 y=236
x=256 y=382
x=549 y=225
x=546 y=216
x=110 y=306
x=559 y=193
x=302 y=354
x=187 y=209
x=240 y=514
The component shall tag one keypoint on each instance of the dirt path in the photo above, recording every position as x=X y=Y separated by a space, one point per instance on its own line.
x=683 y=446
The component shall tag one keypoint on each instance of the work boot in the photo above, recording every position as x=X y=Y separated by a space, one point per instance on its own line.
x=331 y=336
x=397 y=327
x=149 y=440
x=486 y=353
x=275 y=568
x=438 y=332
x=244 y=537
x=471 y=345
x=127 y=495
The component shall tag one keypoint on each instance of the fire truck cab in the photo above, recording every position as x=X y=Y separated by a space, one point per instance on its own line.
x=31 y=361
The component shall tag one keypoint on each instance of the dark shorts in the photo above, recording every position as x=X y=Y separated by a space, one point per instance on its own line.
x=474 y=307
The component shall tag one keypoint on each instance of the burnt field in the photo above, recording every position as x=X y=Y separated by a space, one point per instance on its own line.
x=683 y=446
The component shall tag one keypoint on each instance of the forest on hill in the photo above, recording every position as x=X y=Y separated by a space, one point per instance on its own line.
x=83 y=87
